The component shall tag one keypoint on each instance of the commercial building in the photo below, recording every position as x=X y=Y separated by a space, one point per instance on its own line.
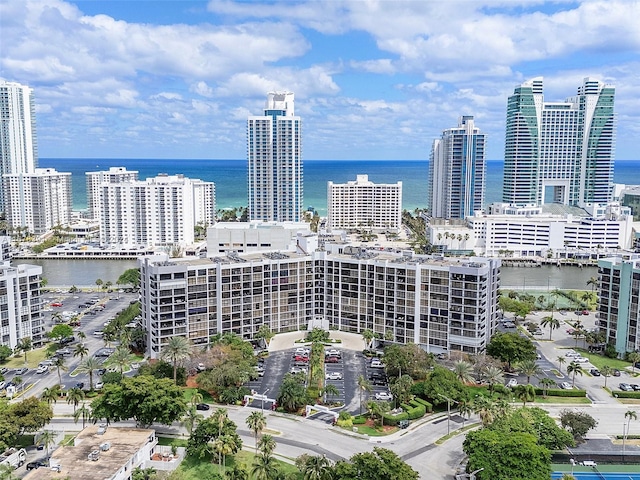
x=364 y=204
x=159 y=211
x=96 y=179
x=440 y=303
x=619 y=302
x=18 y=141
x=560 y=152
x=21 y=305
x=274 y=170
x=243 y=237
x=37 y=201
x=457 y=171
x=100 y=452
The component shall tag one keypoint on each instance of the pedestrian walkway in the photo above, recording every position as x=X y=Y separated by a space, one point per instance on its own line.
x=285 y=341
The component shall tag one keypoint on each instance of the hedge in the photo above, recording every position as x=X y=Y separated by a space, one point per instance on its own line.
x=414 y=410
x=621 y=394
x=428 y=406
x=559 y=392
x=359 y=420
x=393 y=420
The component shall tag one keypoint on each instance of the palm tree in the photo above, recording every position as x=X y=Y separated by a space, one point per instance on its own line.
x=630 y=415
x=264 y=467
x=60 y=365
x=368 y=336
x=485 y=408
x=256 y=422
x=176 y=350
x=120 y=358
x=526 y=393
x=236 y=472
x=465 y=409
x=606 y=372
x=75 y=396
x=266 y=445
x=24 y=344
x=567 y=476
x=633 y=357
x=330 y=390
x=51 y=394
x=85 y=412
x=552 y=323
x=88 y=366
x=46 y=438
x=317 y=467
x=561 y=361
x=572 y=369
x=529 y=368
x=593 y=281
x=363 y=386
x=546 y=382
x=224 y=445
x=191 y=419
x=80 y=351
x=81 y=335
x=493 y=376
x=463 y=371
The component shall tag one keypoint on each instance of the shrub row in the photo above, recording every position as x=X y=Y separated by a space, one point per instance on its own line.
x=359 y=420
x=621 y=394
x=427 y=405
x=393 y=420
x=559 y=392
x=414 y=409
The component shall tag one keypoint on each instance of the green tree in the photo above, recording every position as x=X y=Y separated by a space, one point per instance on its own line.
x=368 y=336
x=75 y=396
x=47 y=438
x=561 y=361
x=606 y=372
x=546 y=382
x=176 y=350
x=593 y=282
x=401 y=389
x=88 y=366
x=80 y=350
x=463 y=371
x=381 y=464
x=316 y=467
x=51 y=394
x=60 y=365
x=493 y=376
x=577 y=423
x=5 y=352
x=24 y=345
x=363 y=387
x=121 y=358
x=572 y=369
x=208 y=430
x=552 y=323
x=526 y=393
x=330 y=391
x=633 y=357
x=265 y=333
x=629 y=415
x=191 y=418
x=442 y=383
x=130 y=277
x=292 y=393
x=31 y=414
x=60 y=331
x=145 y=399
x=264 y=467
x=144 y=473
x=256 y=422
x=83 y=412
x=511 y=347
x=529 y=368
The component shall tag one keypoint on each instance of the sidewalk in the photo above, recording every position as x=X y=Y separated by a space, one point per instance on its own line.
x=285 y=341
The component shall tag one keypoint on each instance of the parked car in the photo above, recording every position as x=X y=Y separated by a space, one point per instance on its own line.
x=301 y=358
x=578 y=312
x=36 y=464
x=202 y=406
x=42 y=369
x=379 y=381
x=332 y=352
x=566 y=386
x=331 y=360
x=585 y=312
x=580 y=360
x=333 y=376
x=625 y=387
x=616 y=372
x=98 y=385
x=595 y=372
x=571 y=353
x=383 y=396
x=403 y=423
x=3 y=370
x=295 y=370
x=512 y=383
x=56 y=304
x=636 y=387
x=21 y=371
x=101 y=371
x=2 y=385
x=79 y=385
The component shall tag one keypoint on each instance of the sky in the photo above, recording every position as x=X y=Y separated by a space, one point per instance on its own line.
x=373 y=80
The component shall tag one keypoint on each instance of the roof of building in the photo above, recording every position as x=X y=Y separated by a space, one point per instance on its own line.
x=564 y=210
x=74 y=461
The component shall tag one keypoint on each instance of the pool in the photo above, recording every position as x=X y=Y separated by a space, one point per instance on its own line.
x=600 y=476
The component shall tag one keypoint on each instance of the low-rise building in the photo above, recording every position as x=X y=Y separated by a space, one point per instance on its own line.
x=253 y=236
x=100 y=452
x=440 y=303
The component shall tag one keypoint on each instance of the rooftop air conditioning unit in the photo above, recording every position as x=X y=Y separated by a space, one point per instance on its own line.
x=94 y=455
x=105 y=446
x=102 y=427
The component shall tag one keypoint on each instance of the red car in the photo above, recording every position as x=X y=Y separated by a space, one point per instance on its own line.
x=56 y=304
x=331 y=359
x=300 y=358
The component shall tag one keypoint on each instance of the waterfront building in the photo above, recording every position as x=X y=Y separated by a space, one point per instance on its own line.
x=21 y=300
x=96 y=179
x=18 y=141
x=549 y=231
x=630 y=197
x=457 y=171
x=38 y=201
x=442 y=304
x=253 y=236
x=560 y=152
x=104 y=451
x=274 y=167
x=364 y=204
x=619 y=302
x=158 y=211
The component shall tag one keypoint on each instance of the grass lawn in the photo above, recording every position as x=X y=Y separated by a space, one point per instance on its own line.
x=168 y=441
x=33 y=358
x=206 y=397
x=600 y=361
x=562 y=400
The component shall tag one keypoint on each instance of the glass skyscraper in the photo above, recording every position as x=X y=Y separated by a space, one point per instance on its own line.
x=559 y=152
x=274 y=153
x=457 y=171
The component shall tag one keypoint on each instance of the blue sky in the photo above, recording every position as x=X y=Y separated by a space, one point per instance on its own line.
x=372 y=79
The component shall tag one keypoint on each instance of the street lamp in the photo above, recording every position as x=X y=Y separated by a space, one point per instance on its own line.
x=264 y=394
x=449 y=401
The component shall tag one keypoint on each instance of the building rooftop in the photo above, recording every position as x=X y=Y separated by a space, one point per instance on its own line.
x=564 y=210
x=124 y=444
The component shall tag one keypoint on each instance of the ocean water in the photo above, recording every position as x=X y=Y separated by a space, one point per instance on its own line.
x=229 y=177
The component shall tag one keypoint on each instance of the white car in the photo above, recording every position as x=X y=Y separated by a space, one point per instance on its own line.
x=512 y=383
x=566 y=386
x=333 y=376
x=580 y=360
x=571 y=353
x=98 y=385
x=42 y=369
x=383 y=396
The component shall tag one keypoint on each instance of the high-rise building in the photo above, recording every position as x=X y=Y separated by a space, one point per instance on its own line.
x=160 y=211
x=560 y=152
x=364 y=204
x=95 y=179
x=18 y=146
x=457 y=171
x=38 y=201
x=274 y=152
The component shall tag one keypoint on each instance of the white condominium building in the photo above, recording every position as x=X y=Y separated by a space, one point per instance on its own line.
x=38 y=201
x=274 y=167
x=243 y=237
x=559 y=152
x=364 y=204
x=442 y=304
x=18 y=141
x=457 y=171
x=159 y=211
x=21 y=305
x=96 y=179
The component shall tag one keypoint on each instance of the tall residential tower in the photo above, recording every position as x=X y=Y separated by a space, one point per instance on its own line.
x=18 y=146
x=560 y=152
x=457 y=171
x=274 y=153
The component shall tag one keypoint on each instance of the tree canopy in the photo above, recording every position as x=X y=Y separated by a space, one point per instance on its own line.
x=511 y=348
x=381 y=464
x=60 y=331
x=144 y=398
x=130 y=277
x=441 y=384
